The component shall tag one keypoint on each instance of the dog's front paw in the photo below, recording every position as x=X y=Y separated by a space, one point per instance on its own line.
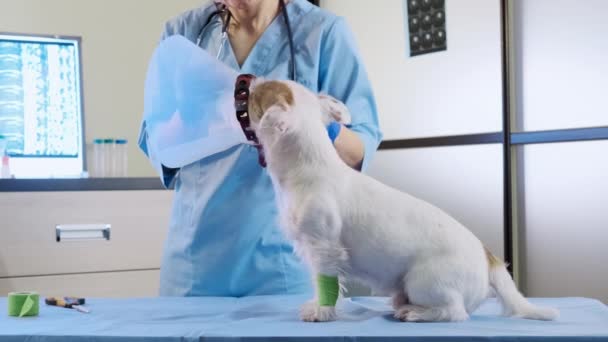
x=313 y=312
x=336 y=110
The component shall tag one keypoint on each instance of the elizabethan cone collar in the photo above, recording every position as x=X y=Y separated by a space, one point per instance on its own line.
x=189 y=111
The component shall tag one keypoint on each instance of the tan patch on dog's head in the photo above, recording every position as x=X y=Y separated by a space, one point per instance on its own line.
x=493 y=260
x=266 y=95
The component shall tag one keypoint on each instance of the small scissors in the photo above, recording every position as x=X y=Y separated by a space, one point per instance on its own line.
x=67 y=302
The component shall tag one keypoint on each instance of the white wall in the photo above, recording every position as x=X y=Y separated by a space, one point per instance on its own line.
x=457 y=91
x=564 y=219
x=118 y=37
x=562 y=54
x=561 y=58
x=452 y=92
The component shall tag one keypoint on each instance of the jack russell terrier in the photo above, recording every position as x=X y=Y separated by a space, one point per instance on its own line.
x=346 y=224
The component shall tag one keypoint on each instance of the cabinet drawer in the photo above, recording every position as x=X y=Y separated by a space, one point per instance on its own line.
x=111 y=284
x=28 y=246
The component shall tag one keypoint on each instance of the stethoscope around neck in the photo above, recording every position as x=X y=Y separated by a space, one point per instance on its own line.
x=223 y=10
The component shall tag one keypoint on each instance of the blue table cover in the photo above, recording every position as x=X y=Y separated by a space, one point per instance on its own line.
x=276 y=318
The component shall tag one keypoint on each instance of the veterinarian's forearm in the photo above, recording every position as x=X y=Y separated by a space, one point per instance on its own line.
x=350 y=148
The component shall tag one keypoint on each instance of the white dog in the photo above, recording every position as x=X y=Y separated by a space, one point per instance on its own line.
x=346 y=224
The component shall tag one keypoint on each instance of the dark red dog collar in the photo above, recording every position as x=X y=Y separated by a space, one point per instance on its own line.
x=241 y=104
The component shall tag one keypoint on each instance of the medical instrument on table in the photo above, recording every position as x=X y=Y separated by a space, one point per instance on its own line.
x=68 y=303
x=223 y=10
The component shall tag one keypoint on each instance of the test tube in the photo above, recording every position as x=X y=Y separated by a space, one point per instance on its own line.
x=98 y=158
x=108 y=156
x=120 y=158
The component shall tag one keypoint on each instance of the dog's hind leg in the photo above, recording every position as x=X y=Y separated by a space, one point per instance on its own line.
x=434 y=296
x=447 y=306
x=415 y=313
x=399 y=299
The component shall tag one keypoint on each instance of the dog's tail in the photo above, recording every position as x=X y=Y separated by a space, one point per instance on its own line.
x=513 y=302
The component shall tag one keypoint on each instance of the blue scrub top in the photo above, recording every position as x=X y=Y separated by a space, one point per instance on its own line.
x=223 y=238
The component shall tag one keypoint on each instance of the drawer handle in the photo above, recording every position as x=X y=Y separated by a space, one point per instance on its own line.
x=82 y=232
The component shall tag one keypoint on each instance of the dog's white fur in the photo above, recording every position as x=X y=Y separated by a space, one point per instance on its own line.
x=344 y=223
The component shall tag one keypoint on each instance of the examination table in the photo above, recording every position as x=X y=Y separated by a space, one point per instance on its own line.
x=275 y=318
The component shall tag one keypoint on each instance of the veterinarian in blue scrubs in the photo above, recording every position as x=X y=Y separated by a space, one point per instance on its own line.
x=223 y=237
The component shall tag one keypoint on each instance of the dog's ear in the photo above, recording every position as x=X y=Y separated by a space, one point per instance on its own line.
x=269 y=94
x=334 y=110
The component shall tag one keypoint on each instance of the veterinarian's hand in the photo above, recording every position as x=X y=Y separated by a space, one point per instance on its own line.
x=348 y=144
x=350 y=147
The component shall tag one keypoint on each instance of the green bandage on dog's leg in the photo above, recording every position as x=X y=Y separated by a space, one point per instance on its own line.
x=329 y=289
